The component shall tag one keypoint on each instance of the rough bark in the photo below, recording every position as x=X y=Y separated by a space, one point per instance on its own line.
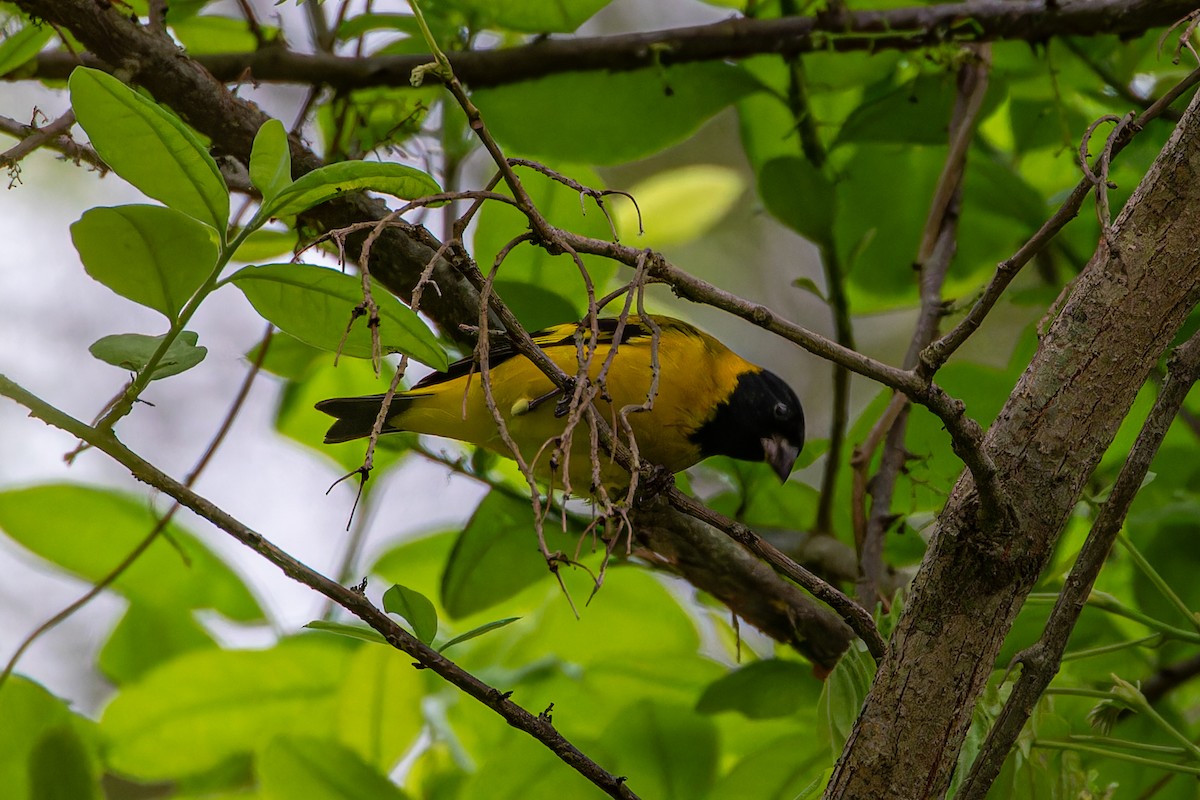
x=918 y=26
x=1122 y=314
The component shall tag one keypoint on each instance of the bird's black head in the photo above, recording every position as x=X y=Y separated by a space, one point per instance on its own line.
x=760 y=420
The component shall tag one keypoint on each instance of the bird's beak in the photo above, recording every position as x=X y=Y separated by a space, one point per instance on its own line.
x=781 y=454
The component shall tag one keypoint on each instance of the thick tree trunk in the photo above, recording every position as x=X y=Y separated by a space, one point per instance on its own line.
x=1121 y=315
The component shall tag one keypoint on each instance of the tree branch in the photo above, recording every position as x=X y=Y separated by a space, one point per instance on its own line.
x=1040 y=663
x=1127 y=304
x=892 y=29
x=537 y=726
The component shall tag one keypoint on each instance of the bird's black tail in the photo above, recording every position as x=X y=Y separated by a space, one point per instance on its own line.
x=356 y=416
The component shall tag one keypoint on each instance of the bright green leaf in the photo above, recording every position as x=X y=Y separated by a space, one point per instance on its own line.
x=264 y=245
x=133 y=351
x=151 y=255
x=360 y=632
x=89 y=531
x=207 y=34
x=23 y=44
x=810 y=286
x=479 y=631
x=271 y=160
x=316 y=305
x=333 y=180
x=415 y=608
x=663 y=106
x=356 y=25
x=193 y=713
x=149 y=147
x=319 y=769
x=763 y=690
x=287 y=357
x=679 y=205
x=516 y=767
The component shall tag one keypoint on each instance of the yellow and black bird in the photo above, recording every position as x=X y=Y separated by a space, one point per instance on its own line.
x=710 y=401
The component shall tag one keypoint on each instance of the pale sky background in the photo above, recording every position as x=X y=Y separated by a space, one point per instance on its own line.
x=50 y=311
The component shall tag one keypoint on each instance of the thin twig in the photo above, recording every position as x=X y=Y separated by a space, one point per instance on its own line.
x=934 y=256
x=537 y=726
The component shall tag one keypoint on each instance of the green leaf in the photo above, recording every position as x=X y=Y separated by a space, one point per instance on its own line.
x=842 y=697
x=763 y=690
x=810 y=286
x=479 y=631
x=542 y=289
x=197 y=711
x=413 y=607
x=35 y=725
x=23 y=44
x=664 y=106
x=287 y=357
x=334 y=180
x=299 y=421
x=1168 y=532
x=527 y=16
x=379 y=705
x=207 y=34
x=667 y=751
x=264 y=245
x=149 y=147
x=916 y=112
x=496 y=555
x=154 y=256
x=800 y=196
x=782 y=770
x=319 y=769
x=678 y=205
x=316 y=304
x=132 y=351
x=271 y=160
x=364 y=120
x=148 y=636
x=360 y=632
x=516 y=767
x=356 y=25
x=62 y=768
x=89 y=531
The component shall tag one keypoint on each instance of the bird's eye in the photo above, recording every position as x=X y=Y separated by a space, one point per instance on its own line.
x=781 y=411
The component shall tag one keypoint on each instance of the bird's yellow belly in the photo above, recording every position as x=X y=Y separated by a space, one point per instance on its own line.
x=539 y=431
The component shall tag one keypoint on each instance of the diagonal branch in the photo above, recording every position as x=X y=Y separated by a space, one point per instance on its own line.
x=537 y=726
